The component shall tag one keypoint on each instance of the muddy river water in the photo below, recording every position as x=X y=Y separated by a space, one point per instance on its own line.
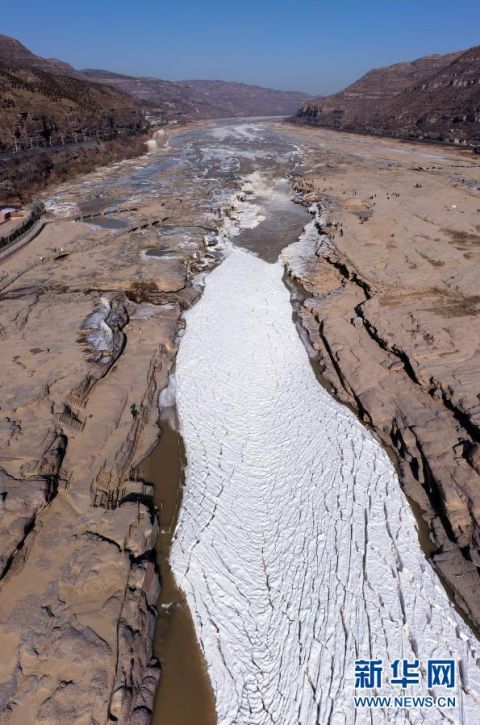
x=293 y=551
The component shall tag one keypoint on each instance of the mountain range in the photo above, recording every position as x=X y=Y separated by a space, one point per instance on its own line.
x=436 y=97
x=45 y=101
x=201 y=98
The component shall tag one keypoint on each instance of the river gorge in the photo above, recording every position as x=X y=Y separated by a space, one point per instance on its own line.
x=291 y=540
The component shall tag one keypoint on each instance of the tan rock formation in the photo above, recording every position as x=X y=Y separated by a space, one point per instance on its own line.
x=80 y=346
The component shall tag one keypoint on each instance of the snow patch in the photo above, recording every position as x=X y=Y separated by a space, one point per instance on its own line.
x=100 y=334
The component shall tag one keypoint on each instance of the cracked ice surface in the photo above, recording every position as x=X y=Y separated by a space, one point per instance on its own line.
x=295 y=545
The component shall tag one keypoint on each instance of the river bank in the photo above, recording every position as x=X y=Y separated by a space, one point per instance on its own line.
x=28 y=174
x=90 y=312
x=391 y=311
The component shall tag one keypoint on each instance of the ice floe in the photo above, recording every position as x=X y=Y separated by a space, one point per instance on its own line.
x=101 y=331
x=312 y=243
x=240 y=212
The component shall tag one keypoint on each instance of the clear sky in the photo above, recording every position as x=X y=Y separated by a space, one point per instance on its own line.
x=312 y=45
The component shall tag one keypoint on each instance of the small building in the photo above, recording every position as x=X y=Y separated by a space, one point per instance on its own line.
x=6 y=214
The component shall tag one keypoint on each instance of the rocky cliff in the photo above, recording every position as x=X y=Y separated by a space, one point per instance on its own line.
x=78 y=579
x=445 y=105
x=435 y=97
x=44 y=103
x=24 y=175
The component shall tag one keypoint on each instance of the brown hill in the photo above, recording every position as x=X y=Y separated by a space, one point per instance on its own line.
x=240 y=99
x=45 y=102
x=171 y=100
x=13 y=52
x=434 y=97
x=446 y=106
x=202 y=99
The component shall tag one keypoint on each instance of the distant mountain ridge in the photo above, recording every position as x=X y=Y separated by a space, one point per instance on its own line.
x=244 y=99
x=202 y=98
x=435 y=97
x=170 y=99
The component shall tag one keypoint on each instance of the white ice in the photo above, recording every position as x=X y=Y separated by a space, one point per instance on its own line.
x=295 y=545
x=242 y=214
x=242 y=131
x=57 y=206
x=100 y=334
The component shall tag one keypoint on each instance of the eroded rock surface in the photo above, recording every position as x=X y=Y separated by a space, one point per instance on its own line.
x=88 y=334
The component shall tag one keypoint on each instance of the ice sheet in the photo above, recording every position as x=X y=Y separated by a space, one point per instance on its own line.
x=295 y=546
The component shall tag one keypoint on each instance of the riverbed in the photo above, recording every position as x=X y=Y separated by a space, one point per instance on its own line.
x=295 y=552
x=296 y=548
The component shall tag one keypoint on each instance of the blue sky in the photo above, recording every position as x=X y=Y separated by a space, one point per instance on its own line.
x=310 y=45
